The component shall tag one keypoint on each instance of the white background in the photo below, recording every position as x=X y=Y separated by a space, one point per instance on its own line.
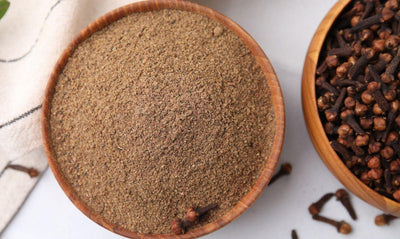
x=284 y=29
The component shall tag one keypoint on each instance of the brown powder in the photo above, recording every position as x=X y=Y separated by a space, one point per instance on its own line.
x=158 y=112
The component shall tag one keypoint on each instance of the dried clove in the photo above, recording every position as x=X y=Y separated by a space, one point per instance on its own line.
x=385 y=15
x=361 y=63
x=342 y=226
x=391 y=118
x=315 y=208
x=285 y=169
x=332 y=113
x=32 y=172
x=294 y=234
x=321 y=82
x=388 y=180
x=193 y=214
x=344 y=198
x=348 y=117
x=322 y=68
x=369 y=6
x=384 y=219
x=374 y=88
x=179 y=226
x=342 y=150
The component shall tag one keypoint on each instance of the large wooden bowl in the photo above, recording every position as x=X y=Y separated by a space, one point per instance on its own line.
x=262 y=60
x=316 y=129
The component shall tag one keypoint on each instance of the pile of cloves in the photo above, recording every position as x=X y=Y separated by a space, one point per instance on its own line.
x=358 y=89
x=193 y=215
x=342 y=196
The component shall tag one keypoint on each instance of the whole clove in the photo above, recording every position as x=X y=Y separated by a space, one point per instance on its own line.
x=321 y=82
x=179 y=226
x=348 y=117
x=344 y=198
x=361 y=63
x=32 y=172
x=369 y=6
x=332 y=113
x=341 y=149
x=285 y=169
x=315 y=208
x=193 y=215
x=294 y=234
x=341 y=226
x=384 y=219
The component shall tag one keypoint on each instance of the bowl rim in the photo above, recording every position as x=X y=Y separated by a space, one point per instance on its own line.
x=262 y=60
x=314 y=125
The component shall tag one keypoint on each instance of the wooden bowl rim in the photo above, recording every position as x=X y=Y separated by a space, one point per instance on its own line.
x=314 y=124
x=262 y=60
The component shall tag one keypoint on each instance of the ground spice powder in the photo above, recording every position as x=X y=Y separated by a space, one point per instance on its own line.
x=157 y=112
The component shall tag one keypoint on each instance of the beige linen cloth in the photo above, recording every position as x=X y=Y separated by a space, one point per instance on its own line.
x=32 y=36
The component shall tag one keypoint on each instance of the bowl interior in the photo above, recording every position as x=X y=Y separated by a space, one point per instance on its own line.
x=316 y=129
x=261 y=59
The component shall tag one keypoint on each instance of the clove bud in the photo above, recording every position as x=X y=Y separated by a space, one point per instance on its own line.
x=384 y=219
x=342 y=226
x=315 y=208
x=344 y=198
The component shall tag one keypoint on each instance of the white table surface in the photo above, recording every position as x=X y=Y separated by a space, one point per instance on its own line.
x=284 y=29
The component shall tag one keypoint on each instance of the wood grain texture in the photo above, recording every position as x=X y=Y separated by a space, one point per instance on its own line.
x=261 y=58
x=316 y=129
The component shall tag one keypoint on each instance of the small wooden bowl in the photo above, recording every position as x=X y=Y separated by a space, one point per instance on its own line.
x=316 y=129
x=261 y=58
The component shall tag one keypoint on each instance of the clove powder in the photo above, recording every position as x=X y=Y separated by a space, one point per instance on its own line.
x=157 y=112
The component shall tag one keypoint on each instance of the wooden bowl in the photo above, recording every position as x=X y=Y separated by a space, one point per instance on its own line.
x=316 y=129
x=262 y=60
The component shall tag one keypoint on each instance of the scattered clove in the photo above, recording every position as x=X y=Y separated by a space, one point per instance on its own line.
x=179 y=226
x=32 y=172
x=294 y=234
x=384 y=219
x=342 y=226
x=285 y=169
x=344 y=198
x=193 y=215
x=315 y=208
